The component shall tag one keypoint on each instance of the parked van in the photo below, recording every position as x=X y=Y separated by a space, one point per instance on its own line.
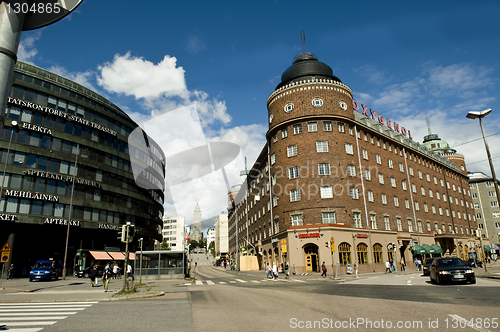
x=44 y=270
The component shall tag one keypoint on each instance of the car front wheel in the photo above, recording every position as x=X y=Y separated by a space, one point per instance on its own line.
x=438 y=281
x=85 y=275
x=473 y=281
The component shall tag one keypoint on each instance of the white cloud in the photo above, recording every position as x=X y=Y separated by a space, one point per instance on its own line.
x=134 y=76
x=27 y=50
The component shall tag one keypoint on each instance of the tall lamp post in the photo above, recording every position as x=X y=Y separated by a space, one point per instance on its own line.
x=480 y=115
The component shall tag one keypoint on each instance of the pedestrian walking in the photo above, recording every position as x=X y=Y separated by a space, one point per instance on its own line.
x=10 y=272
x=275 y=271
x=403 y=264
x=416 y=263
x=388 y=267
x=106 y=277
x=356 y=268
x=393 y=268
x=323 y=268
x=419 y=264
x=115 y=271
x=287 y=271
x=269 y=271
x=93 y=275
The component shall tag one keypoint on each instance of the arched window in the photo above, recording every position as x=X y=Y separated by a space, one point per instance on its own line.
x=377 y=253
x=362 y=250
x=345 y=253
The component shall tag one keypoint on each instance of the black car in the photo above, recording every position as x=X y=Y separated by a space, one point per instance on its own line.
x=451 y=269
x=427 y=265
x=85 y=273
x=474 y=262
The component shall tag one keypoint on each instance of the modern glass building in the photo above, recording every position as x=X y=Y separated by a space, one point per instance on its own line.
x=53 y=132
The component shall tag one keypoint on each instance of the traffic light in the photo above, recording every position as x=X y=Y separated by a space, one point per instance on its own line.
x=327 y=244
x=131 y=232
x=123 y=233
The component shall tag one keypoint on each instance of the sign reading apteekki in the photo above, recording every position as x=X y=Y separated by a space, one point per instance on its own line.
x=56 y=221
x=66 y=178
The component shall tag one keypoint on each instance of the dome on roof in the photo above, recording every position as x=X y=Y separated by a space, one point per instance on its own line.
x=306 y=66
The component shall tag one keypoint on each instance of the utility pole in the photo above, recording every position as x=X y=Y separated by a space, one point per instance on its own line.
x=125 y=279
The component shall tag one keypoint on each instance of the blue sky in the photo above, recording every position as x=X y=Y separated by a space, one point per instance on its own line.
x=404 y=60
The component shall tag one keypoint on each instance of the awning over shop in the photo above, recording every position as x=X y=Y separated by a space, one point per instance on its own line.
x=418 y=250
x=100 y=255
x=131 y=256
x=428 y=249
x=487 y=248
x=117 y=256
x=437 y=249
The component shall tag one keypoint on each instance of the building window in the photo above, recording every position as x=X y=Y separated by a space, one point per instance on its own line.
x=396 y=201
x=351 y=170
x=340 y=127
x=378 y=159
x=322 y=146
x=323 y=169
x=368 y=176
x=364 y=154
x=275 y=138
x=428 y=177
x=297 y=129
x=393 y=182
x=353 y=191
x=419 y=225
x=275 y=201
x=327 y=126
x=494 y=203
x=362 y=250
x=369 y=194
x=284 y=133
x=291 y=150
x=383 y=198
x=273 y=159
x=377 y=253
x=381 y=178
x=401 y=169
x=422 y=191
x=429 y=227
x=373 y=221
x=430 y=193
x=399 y=225
x=433 y=209
x=387 y=223
x=348 y=148
x=407 y=204
x=356 y=218
x=403 y=184
x=294 y=195
x=312 y=126
x=414 y=188
x=293 y=172
x=410 y=170
x=326 y=192
x=474 y=195
x=328 y=217
x=296 y=220
x=344 y=253
x=417 y=206
x=419 y=174
x=390 y=163
x=410 y=226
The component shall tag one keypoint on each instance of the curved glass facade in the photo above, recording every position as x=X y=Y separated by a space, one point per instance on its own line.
x=58 y=131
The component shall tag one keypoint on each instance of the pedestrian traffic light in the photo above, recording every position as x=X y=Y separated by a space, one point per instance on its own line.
x=131 y=232
x=123 y=233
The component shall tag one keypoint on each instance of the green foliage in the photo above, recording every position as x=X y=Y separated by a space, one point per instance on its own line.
x=164 y=245
x=211 y=247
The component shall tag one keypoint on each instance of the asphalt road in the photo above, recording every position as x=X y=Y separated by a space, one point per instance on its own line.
x=220 y=300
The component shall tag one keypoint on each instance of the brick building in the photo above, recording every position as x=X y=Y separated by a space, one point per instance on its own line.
x=336 y=173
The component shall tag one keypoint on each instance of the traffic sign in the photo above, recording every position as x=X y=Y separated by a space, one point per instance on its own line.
x=5 y=256
x=6 y=247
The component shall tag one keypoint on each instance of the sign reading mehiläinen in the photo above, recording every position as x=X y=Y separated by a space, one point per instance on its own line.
x=28 y=194
x=66 y=178
x=51 y=111
x=54 y=221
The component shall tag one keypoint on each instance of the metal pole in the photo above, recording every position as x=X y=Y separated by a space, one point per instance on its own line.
x=11 y=26
x=140 y=263
x=5 y=166
x=237 y=244
x=490 y=161
x=69 y=217
x=482 y=248
x=125 y=281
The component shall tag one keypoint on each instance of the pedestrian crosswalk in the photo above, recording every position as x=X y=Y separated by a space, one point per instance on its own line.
x=235 y=281
x=33 y=317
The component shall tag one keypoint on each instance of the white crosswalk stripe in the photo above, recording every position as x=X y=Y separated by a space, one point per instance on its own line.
x=222 y=283
x=33 y=317
x=239 y=280
x=210 y=282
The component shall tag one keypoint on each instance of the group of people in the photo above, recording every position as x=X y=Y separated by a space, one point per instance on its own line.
x=418 y=264
x=108 y=274
x=272 y=272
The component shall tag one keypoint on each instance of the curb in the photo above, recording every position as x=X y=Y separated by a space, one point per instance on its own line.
x=139 y=296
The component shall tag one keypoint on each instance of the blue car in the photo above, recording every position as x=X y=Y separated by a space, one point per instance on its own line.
x=44 y=270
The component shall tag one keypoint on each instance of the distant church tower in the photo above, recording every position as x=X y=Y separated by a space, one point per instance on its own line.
x=197 y=234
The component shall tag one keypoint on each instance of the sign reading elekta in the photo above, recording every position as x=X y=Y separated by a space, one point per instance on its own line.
x=51 y=111
x=390 y=124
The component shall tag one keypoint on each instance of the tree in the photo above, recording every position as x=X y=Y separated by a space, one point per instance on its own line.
x=211 y=247
x=164 y=245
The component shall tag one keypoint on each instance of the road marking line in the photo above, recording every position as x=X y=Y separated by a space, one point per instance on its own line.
x=222 y=282
x=34 y=329
x=47 y=306
x=21 y=310
x=239 y=280
x=255 y=281
x=232 y=282
x=210 y=282
x=49 y=303
x=27 y=323
x=408 y=282
x=37 y=314
x=37 y=318
x=199 y=282
x=457 y=317
x=297 y=280
x=187 y=284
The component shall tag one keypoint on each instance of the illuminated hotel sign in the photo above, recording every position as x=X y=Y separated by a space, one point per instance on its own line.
x=306 y=235
x=360 y=235
x=55 y=221
x=380 y=118
x=51 y=111
x=27 y=194
x=7 y=217
x=54 y=176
